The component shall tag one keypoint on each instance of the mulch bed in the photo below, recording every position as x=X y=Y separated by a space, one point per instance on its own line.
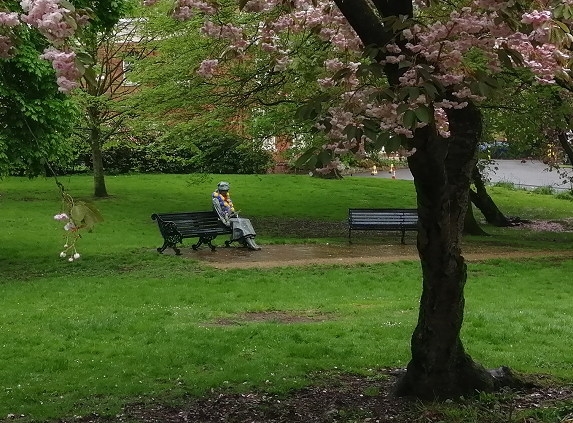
x=352 y=398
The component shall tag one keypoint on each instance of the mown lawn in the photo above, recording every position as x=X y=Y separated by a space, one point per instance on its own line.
x=125 y=323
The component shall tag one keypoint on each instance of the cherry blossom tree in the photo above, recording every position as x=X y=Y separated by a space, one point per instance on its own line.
x=407 y=84
x=400 y=80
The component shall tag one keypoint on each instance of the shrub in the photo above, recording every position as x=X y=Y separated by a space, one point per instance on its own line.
x=546 y=190
x=505 y=185
x=567 y=195
x=228 y=153
x=212 y=153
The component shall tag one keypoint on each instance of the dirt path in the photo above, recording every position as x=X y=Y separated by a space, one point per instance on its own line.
x=309 y=254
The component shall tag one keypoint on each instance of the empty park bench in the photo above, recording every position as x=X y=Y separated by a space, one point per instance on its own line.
x=382 y=220
x=175 y=227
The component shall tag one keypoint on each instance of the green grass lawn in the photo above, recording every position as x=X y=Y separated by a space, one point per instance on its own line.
x=124 y=323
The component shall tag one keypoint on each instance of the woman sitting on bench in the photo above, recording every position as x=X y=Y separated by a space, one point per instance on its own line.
x=243 y=231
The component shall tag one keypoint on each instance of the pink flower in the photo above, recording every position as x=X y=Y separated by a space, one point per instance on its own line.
x=207 y=68
x=61 y=217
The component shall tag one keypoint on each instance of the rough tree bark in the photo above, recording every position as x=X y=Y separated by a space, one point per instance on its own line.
x=562 y=136
x=440 y=367
x=483 y=201
x=471 y=226
x=95 y=139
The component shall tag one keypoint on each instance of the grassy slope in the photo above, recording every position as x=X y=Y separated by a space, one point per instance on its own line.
x=125 y=322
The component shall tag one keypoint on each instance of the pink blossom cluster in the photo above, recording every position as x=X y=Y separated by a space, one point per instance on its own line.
x=67 y=72
x=54 y=21
x=536 y=18
x=207 y=68
x=6 y=47
x=438 y=48
x=9 y=19
x=185 y=9
x=442 y=123
x=233 y=34
x=62 y=217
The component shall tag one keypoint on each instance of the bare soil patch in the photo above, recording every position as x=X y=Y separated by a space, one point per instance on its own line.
x=342 y=254
x=367 y=248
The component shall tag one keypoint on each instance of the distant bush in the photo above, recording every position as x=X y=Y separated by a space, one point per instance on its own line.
x=567 y=195
x=227 y=153
x=214 y=153
x=546 y=190
x=505 y=185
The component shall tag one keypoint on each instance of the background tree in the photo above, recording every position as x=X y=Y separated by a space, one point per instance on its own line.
x=106 y=86
x=36 y=120
x=251 y=100
x=105 y=46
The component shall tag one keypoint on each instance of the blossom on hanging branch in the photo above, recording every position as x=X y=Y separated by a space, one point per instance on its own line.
x=58 y=21
x=78 y=216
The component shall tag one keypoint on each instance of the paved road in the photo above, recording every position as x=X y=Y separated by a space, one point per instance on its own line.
x=530 y=174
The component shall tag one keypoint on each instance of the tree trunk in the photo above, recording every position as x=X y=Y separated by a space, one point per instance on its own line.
x=97 y=158
x=483 y=201
x=471 y=226
x=100 y=189
x=440 y=367
x=566 y=146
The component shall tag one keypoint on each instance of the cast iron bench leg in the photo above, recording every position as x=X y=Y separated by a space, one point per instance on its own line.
x=161 y=249
x=195 y=246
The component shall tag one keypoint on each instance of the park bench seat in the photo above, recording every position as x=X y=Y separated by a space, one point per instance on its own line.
x=382 y=220
x=175 y=227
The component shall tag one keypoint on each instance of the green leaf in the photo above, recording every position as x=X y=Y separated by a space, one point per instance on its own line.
x=78 y=212
x=516 y=56
x=504 y=58
x=393 y=144
x=94 y=212
x=484 y=89
x=305 y=157
x=423 y=114
x=402 y=108
x=409 y=119
x=324 y=157
x=430 y=89
x=381 y=140
x=85 y=58
x=80 y=66
x=302 y=112
x=424 y=74
x=404 y=64
x=371 y=124
x=89 y=76
x=67 y=5
x=561 y=25
x=342 y=73
x=370 y=133
x=414 y=92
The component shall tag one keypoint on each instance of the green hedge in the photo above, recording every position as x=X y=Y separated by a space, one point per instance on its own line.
x=216 y=153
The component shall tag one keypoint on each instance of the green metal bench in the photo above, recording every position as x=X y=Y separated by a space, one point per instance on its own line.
x=382 y=220
x=175 y=227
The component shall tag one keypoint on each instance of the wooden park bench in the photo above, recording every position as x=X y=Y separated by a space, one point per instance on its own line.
x=175 y=227
x=382 y=220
